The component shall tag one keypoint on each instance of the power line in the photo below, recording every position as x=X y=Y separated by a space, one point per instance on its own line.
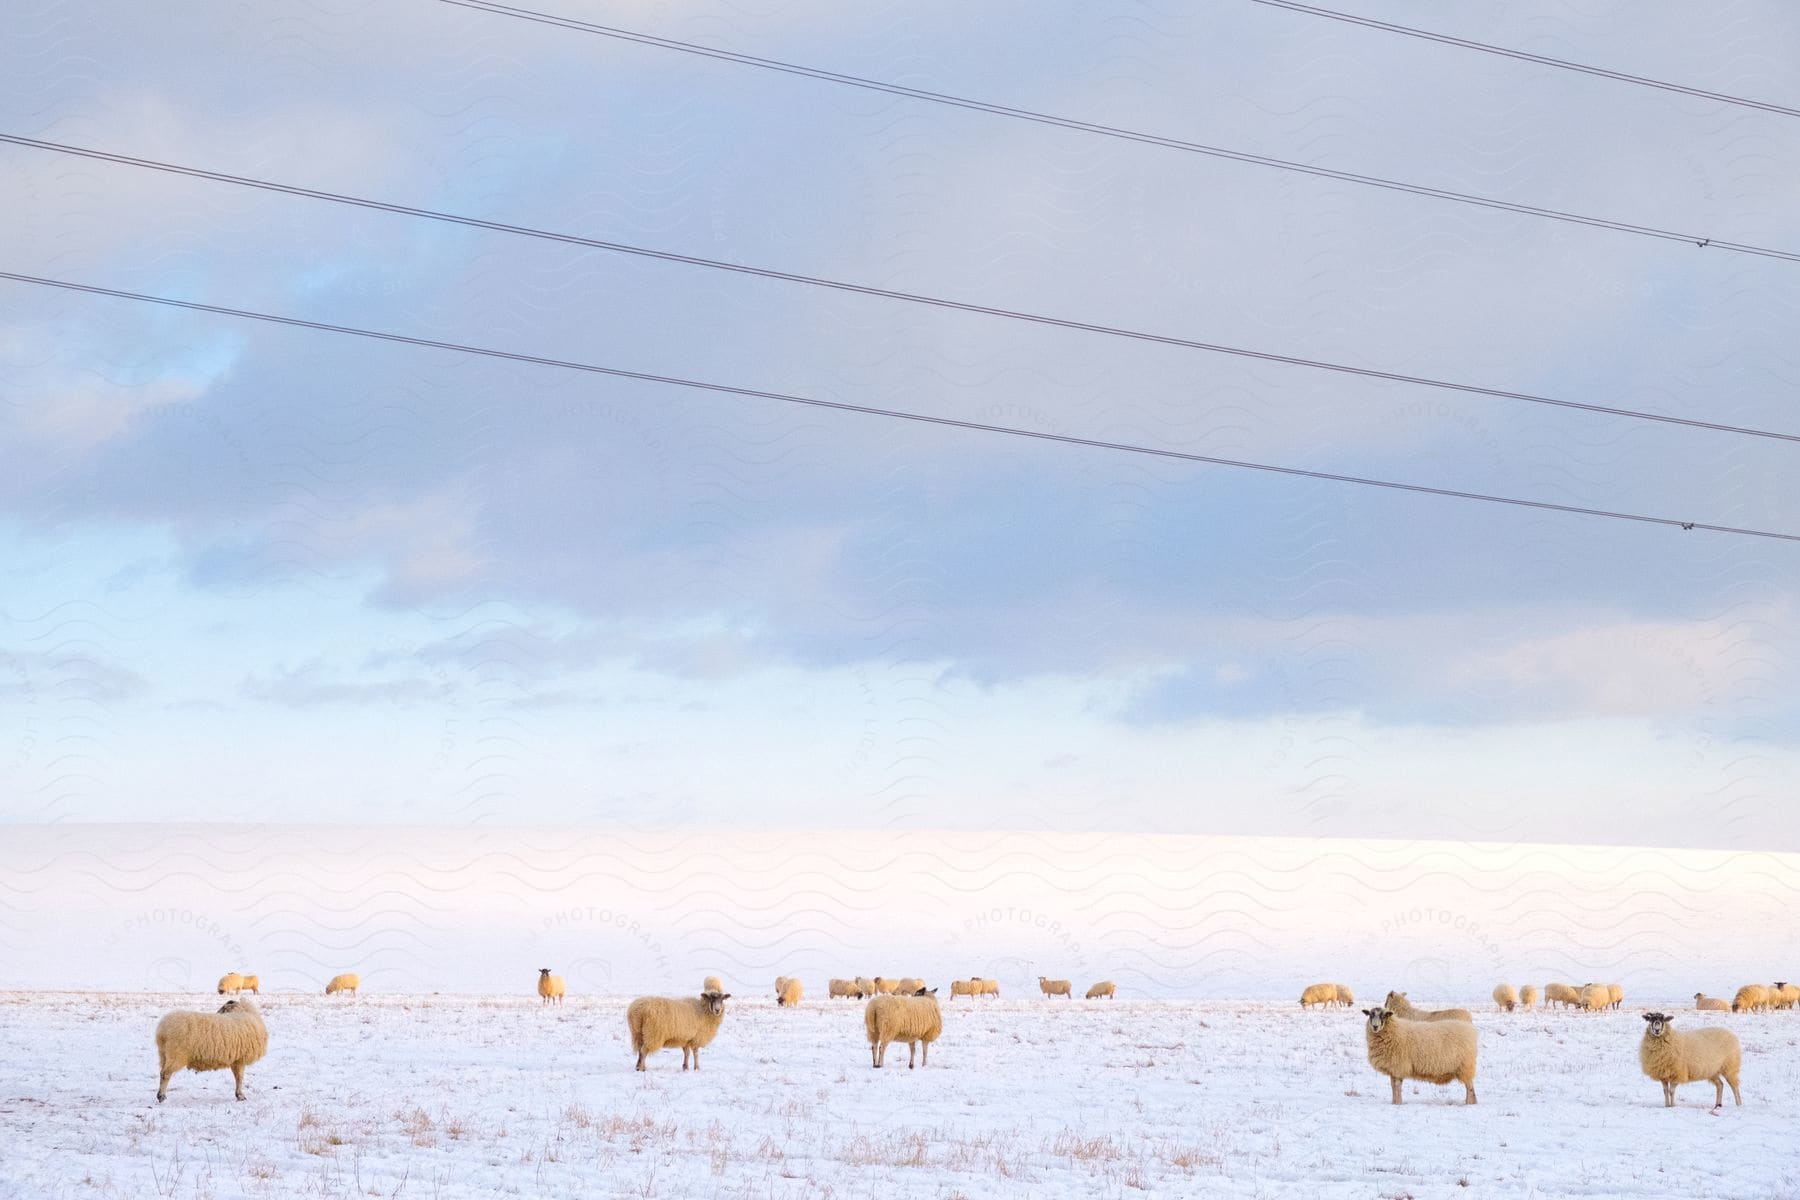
x=1527 y=56
x=1130 y=135
x=889 y=413
x=887 y=293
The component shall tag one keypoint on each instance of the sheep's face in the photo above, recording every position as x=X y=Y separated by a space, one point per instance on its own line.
x=543 y=970
x=1658 y=1024
x=1378 y=1017
x=715 y=1002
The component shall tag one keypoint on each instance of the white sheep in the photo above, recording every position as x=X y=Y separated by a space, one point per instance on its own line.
x=1105 y=987
x=1401 y=1007
x=550 y=987
x=233 y=1037
x=1706 y=1003
x=252 y=984
x=1787 y=995
x=865 y=987
x=231 y=984
x=347 y=982
x=711 y=984
x=970 y=987
x=1054 y=987
x=840 y=987
x=908 y=986
x=914 y=1020
x=1752 y=997
x=1618 y=994
x=788 y=991
x=1595 y=996
x=690 y=1022
x=885 y=986
x=1345 y=996
x=1318 y=993
x=1528 y=997
x=1561 y=993
x=989 y=987
x=1506 y=997
x=1432 y=1051
x=1673 y=1058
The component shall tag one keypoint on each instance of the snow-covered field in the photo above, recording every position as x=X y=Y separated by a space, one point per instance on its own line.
x=439 y=1096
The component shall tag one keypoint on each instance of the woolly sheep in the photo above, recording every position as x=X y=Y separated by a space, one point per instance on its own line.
x=1594 y=997
x=1618 y=994
x=837 y=987
x=908 y=986
x=690 y=1022
x=234 y=1037
x=865 y=987
x=1432 y=1051
x=788 y=991
x=1560 y=993
x=1345 y=996
x=1528 y=996
x=1673 y=1058
x=1318 y=993
x=965 y=987
x=1706 y=1003
x=1787 y=995
x=914 y=1020
x=989 y=987
x=348 y=982
x=1105 y=987
x=1752 y=997
x=231 y=984
x=253 y=984
x=550 y=987
x=1401 y=1007
x=884 y=986
x=711 y=984
x=1054 y=987
x=1506 y=997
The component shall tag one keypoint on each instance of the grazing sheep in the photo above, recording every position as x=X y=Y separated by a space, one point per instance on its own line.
x=1345 y=996
x=989 y=987
x=1506 y=997
x=348 y=982
x=970 y=987
x=1594 y=997
x=838 y=987
x=865 y=987
x=711 y=984
x=908 y=986
x=1318 y=993
x=1752 y=997
x=788 y=992
x=234 y=1037
x=1706 y=1003
x=1786 y=995
x=1401 y=1007
x=1528 y=997
x=1105 y=987
x=231 y=984
x=1054 y=987
x=1432 y=1051
x=913 y=1019
x=885 y=987
x=1673 y=1058
x=253 y=984
x=690 y=1022
x=1618 y=994
x=550 y=987
x=1561 y=993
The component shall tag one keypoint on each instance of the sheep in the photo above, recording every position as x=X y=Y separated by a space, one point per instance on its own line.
x=1054 y=987
x=913 y=1019
x=1706 y=1003
x=550 y=987
x=231 y=984
x=1106 y=988
x=838 y=987
x=908 y=986
x=253 y=984
x=885 y=987
x=1528 y=997
x=1673 y=1058
x=1594 y=997
x=1401 y=1007
x=1560 y=993
x=865 y=987
x=1506 y=997
x=1433 y=1051
x=788 y=991
x=690 y=1022
x=1318 y=993
x=1752 y=997
x=1787 y=995
x=347 y=982
x=234 y=1037
x=711 y=984
x=1345 y=996
x=965 y=987
x=989 y=987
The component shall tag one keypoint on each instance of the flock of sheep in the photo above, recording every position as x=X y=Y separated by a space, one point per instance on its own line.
x=1435 y=1046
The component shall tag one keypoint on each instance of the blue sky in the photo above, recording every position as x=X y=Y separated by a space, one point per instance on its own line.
x=251 y=573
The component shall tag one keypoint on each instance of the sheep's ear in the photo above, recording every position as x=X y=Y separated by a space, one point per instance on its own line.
x=1368 y=1012
x=1649 y=1016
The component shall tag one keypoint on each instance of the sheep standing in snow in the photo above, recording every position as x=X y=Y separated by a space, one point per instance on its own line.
x=1106 y=988
x=1706 y=1003
x=788 y=991
x=908 y=986
x=913 y=1019
x=885 y=986
x=1752 y=997
x=965 y=987
x=1673 y=1058
x=840 y=987
x=1318 y=993
x=1345 y=996
x=865 y=987
x=711 y=984
x=1054 y=987
x=1561 y=993
x=231 y=984
x=348 y=982
x=550 y=987
x=253 y=985
x=233 y=1037
x=1528 y=997
x=1594 y=997
x=1432 y=1051
x=989 y=987
x=1787 y=995
x=690 y=1022
x=1506 y=997
x=1618 y=994
x=1401 y=1007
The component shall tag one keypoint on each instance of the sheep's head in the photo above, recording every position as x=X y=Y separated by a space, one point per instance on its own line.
x=1392 y=997
x=715 y=1002
x=543 y=970
x=1378 y=1017
x=1659 y=1024
x=229 y=1006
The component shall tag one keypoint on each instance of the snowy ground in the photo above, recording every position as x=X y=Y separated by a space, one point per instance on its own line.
x=454 y=1096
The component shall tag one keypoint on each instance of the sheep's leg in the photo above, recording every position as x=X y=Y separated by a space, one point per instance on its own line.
x=162 y=1085
x=1718 y=1082
x=1737 y=1097
x=912 y=1052
x=1395 y=1080
x=1668 y=1094
x=237 y=1074
x=1469 y=1086
x=684 y=1058
x=696 y=1058
x=924 y=1053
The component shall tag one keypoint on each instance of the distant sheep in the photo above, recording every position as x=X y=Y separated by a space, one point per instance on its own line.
x=788 y=991
x=1345 y=996
x=865 y=987
x=1318 y=993
x=1752 y=997
x=1618 y=994
x=1673 y=1058
x=1054 y=987
x=231 y=985
x=1506 y=997
x=914 y=1020
x=908 y=986
x=1528 y=997
x=1594 y=997
x=550 y=987
x=233 y=1037
x=252 y=984
x=1401 y=1007
x=885 y=986
x=1787 y=995
x=1561 y=993
x=1106 y=988
x=1706 y=1003
x=965 y=987
x=344 y=983
x=690 y=1022
x=989 y=987
x=711 y=984
x=1432 y=1051
x=837 y=987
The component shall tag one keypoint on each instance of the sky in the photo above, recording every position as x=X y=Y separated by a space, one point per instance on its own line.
x=261 y=574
